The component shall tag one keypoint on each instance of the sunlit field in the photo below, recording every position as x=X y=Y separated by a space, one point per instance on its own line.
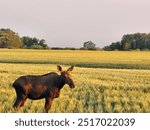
x=93 y=59
x=97 y=89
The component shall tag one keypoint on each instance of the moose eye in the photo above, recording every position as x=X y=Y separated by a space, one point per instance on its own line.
x=67 y=75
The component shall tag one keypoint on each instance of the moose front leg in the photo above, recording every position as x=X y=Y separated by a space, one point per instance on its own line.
x=48 y=103
x=19 y=101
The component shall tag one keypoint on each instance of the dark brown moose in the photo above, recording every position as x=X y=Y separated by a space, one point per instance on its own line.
x=46 y=86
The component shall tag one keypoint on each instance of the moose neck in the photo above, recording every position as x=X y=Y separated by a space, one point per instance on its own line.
x=61 y=82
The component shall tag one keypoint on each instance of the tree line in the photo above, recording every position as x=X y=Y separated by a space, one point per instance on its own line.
x=10 y=39
x=134 y=41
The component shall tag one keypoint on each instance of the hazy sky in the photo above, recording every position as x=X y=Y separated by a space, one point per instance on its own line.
x=72 y=22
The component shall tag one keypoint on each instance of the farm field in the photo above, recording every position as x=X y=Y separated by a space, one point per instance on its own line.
x=105 y=89
x=92 y=59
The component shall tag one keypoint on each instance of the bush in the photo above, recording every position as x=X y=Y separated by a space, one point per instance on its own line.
x=36 y=47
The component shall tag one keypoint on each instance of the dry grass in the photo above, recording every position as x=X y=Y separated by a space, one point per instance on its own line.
x=97 y=90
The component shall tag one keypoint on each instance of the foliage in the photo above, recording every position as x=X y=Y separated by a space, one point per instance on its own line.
x=34 y=43
x=9 y=39
x=132 y=42
x=89 y=45
x=113 y=46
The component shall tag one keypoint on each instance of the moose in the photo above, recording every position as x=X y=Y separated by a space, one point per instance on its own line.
x=46 y=86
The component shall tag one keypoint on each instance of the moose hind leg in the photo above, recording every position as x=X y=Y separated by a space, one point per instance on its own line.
x=48 y=103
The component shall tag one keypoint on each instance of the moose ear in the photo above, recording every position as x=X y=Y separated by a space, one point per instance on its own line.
x=59 y=68
x=70 y=69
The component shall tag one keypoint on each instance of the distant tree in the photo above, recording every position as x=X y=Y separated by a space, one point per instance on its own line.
x=42 y=43
x=89 y=45
x=107 y=48
x=131 y=42
x=34 y=43
x=113 y=46
x=27 y=41
x=9 y=39
x=127 y=46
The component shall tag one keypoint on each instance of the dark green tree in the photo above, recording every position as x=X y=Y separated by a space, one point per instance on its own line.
x=131 y=42
x=34 y=43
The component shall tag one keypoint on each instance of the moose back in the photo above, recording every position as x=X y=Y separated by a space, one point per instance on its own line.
x=46 y=86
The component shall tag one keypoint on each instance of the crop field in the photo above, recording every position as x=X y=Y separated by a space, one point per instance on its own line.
x=90 y=59
x=105 y=81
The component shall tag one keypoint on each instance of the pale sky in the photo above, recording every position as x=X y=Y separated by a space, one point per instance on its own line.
x=70 y=23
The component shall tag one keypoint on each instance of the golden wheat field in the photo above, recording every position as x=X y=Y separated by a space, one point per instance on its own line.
x=104 y=82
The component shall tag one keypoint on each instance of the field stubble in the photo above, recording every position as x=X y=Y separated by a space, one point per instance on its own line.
x=97 y=90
